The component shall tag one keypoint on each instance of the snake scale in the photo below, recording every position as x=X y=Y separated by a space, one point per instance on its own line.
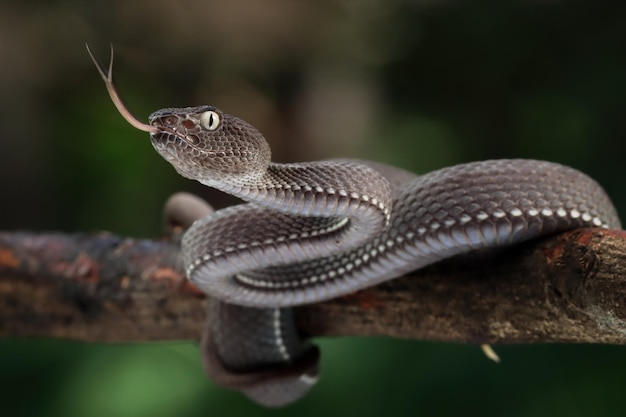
x=318 y=230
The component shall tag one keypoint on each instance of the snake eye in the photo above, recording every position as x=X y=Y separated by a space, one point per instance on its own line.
x=210 y=120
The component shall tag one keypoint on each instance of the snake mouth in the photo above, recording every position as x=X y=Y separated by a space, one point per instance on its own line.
x=170 y=136
x=163 y=134
x=167 y=140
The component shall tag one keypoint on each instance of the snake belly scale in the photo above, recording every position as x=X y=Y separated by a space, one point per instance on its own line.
x=318 y=230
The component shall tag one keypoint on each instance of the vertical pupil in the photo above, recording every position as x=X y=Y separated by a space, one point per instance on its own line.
x=210 y=120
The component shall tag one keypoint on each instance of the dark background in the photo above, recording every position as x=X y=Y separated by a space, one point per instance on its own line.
x=420 y=84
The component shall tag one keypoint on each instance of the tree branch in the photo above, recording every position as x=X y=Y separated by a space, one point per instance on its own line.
x=565 y=288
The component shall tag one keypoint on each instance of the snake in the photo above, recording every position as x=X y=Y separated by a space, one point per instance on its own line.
x=312 y=231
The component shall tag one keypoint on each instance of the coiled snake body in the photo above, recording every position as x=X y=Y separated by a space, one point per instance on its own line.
x=318 y=230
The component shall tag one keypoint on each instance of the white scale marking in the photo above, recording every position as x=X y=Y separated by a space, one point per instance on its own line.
x=464 y=219
x=278 y=337
x=498 y=214
x=307 y=379
x=448 y=222
x=481 y=215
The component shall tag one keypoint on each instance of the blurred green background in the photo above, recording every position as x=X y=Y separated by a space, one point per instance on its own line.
x=420 y=84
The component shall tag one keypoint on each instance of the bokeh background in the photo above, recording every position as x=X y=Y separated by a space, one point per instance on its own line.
x=417 y=83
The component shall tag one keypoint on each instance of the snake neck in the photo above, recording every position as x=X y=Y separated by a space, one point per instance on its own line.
x=330 y=189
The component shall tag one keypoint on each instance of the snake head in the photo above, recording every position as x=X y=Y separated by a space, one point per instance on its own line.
x=202 y=143
x=207 y=145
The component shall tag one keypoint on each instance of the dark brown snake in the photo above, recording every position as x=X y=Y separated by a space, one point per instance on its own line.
x=318 y=230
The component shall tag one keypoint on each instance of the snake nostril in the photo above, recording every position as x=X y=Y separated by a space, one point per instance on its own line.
x=169 y=120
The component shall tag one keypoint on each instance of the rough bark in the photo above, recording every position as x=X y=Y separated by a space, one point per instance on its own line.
x=565 y=288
